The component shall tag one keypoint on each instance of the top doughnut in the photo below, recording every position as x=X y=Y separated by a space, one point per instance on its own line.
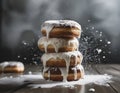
x=61 y=29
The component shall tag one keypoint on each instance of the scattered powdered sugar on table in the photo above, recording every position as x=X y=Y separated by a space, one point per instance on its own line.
x=96 y=79
x=19 y=80
x=37 y=81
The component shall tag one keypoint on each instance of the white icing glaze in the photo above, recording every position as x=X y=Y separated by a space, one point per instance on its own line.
x=64 y=55
x=50 y=24
x=57 y=42
x=78 y=67
x=11 y=63
x=48 y=28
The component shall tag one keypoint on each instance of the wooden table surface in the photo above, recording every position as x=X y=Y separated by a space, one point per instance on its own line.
x=110 y=69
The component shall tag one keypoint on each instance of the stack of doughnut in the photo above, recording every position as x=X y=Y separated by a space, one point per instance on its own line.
x=61 y=60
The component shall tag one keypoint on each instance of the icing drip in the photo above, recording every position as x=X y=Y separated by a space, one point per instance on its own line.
x=5 y=64
x=78 y=67
x=82 y=70
x=45 y=69
x=75 y=73
x=64 y=55
x=48 y=75
x=57 y=43
x=64 y=73
x=48 y=25
x=47 y=28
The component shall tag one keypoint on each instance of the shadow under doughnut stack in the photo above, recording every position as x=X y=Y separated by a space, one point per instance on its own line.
x=62 y=59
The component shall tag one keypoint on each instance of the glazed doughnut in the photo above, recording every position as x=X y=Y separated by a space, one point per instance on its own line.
x=63 y=59
x=11 y=67
x=57 y=44
x=61 y=74
x=61 y=29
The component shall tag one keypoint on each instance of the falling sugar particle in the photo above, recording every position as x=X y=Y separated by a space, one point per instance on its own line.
x=109 y=52
x=18 y=56
x=35 y=55
x=105 y=45
x=25 y=58
x=91 y=90
x=29 y=72
x=89 y=20
x=93 y=27
x=100 y=40
x=35 y=62
x=24 y=42
x=103 y=56
x=108 y=42
x=86 y=28
x=100 y=34
x=99 y=50
x=96 y=31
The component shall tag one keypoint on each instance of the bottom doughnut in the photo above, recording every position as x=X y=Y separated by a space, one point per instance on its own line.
x=60 y=74
x=70 y=77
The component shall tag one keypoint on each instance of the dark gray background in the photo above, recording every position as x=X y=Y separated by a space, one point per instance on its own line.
x=21 y=21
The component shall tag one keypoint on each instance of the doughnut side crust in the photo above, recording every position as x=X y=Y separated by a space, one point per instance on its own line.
x=61 y=62
x=51 y=49
x=59 y=32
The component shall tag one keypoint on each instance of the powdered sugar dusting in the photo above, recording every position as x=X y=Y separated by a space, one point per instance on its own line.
x=94 y=45
x=96 y=79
